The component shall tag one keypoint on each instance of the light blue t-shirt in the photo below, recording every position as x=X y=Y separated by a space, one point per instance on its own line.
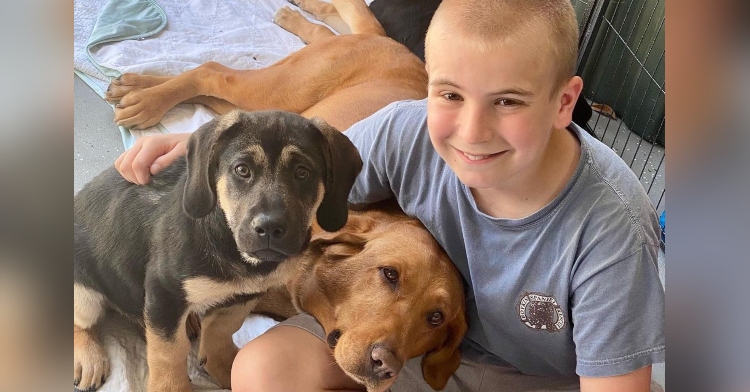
x=571 y=289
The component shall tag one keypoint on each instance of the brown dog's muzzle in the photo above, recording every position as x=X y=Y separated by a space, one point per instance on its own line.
x=375 y=366
x=384 y=364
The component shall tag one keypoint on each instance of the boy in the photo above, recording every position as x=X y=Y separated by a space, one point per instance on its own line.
x=554 y=235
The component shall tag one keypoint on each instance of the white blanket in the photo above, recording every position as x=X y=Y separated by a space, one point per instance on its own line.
x=237 y=33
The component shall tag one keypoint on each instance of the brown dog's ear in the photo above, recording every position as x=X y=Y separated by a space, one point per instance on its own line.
x=199 y=195
x=439 y=364
x=343 y=165
x=338 y=246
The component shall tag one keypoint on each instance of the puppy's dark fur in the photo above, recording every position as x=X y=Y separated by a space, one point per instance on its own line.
x=406 y=21
x=212 y=231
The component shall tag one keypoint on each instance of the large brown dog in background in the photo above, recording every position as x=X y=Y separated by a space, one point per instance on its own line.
x=339 y=78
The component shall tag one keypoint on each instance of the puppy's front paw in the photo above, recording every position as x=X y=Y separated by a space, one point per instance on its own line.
x=90 y=364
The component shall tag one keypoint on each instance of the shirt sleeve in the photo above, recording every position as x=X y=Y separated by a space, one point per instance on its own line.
x=384 y=141
x=618 y=313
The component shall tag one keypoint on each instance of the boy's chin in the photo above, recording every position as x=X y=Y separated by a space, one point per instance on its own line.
x=477 y=182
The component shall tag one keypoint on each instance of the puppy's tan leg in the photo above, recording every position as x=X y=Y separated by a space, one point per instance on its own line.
x=324 y=12
x=167 y=359
x=90 y=363
x=293 y=22
x=217 y=350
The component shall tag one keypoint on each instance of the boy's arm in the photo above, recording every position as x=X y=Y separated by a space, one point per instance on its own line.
x=150 y=155
x=637 y=381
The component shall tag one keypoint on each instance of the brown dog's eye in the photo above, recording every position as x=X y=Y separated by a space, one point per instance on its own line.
x=301 y=173
x=242 y=170
x=390 y=274
x=436 y=318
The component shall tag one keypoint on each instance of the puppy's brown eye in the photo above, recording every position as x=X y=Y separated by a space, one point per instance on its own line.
x=436 y=318
x=301 y=173
x=242 y=170
x=390 y=274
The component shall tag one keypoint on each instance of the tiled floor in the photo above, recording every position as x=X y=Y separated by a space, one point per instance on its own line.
x=97 y=140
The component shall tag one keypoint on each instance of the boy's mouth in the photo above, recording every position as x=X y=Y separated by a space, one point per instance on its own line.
x=477 y=158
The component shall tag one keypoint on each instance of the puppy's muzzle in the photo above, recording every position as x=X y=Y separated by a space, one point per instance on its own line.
x=270 y=227
x=268 y=237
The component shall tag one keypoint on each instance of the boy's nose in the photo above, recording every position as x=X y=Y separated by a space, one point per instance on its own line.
x=476 y=124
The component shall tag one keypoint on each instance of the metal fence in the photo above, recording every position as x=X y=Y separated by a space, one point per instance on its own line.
x=621 y=61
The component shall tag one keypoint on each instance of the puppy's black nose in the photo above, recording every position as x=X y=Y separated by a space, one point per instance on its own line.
x=269 y=226
x=385 y=365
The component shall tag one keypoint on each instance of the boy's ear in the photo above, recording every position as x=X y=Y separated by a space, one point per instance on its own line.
x=567 y=99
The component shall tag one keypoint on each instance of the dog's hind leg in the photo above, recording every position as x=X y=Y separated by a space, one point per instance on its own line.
x=324 y=12
x=90 y=362
x=293 y=22
x=357 y=15
x=217 y=349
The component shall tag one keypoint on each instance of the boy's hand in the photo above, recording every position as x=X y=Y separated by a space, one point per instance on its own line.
x=150 y=155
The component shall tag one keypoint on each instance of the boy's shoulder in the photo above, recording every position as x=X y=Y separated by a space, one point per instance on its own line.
x=408 y=109
x=610 y=182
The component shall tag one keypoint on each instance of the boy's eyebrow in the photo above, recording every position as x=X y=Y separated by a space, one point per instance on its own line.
x=512 y=90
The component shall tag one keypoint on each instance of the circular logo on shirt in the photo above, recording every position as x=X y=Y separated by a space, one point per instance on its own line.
x=541 y=312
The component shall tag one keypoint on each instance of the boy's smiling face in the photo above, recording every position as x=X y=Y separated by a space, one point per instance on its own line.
x=491 y=112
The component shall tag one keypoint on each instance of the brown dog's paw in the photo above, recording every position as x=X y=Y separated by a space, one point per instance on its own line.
x=128 y=82
x=288 y=18
x=141 y=109
x=91 y=365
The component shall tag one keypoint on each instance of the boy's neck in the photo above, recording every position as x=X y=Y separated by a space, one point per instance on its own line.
x=539 y=186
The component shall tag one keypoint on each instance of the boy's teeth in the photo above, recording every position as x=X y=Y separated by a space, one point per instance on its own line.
x=475 y=157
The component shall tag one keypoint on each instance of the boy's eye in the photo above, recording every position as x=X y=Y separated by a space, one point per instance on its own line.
x=507 y=102
x=452 y=96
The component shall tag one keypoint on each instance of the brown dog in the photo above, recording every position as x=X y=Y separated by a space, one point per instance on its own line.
x=339 y=78
x=381 y=298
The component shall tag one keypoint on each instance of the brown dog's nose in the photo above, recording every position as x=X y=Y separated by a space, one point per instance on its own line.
x=269 y=226
x=385 y=365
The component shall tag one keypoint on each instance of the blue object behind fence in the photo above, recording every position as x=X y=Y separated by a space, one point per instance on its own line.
x=663 y=224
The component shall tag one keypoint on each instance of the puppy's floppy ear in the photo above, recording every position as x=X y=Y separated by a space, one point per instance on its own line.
x=199 y=195
x=440 y=363
x=343 y=165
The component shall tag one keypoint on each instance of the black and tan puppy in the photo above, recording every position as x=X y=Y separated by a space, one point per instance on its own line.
x=207 y=236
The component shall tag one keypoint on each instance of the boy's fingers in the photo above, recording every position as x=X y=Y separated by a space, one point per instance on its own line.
x=124 y=164
x=147 y=155
x=165 y=160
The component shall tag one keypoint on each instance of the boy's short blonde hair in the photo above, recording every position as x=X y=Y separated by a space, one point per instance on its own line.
x=549 y=25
